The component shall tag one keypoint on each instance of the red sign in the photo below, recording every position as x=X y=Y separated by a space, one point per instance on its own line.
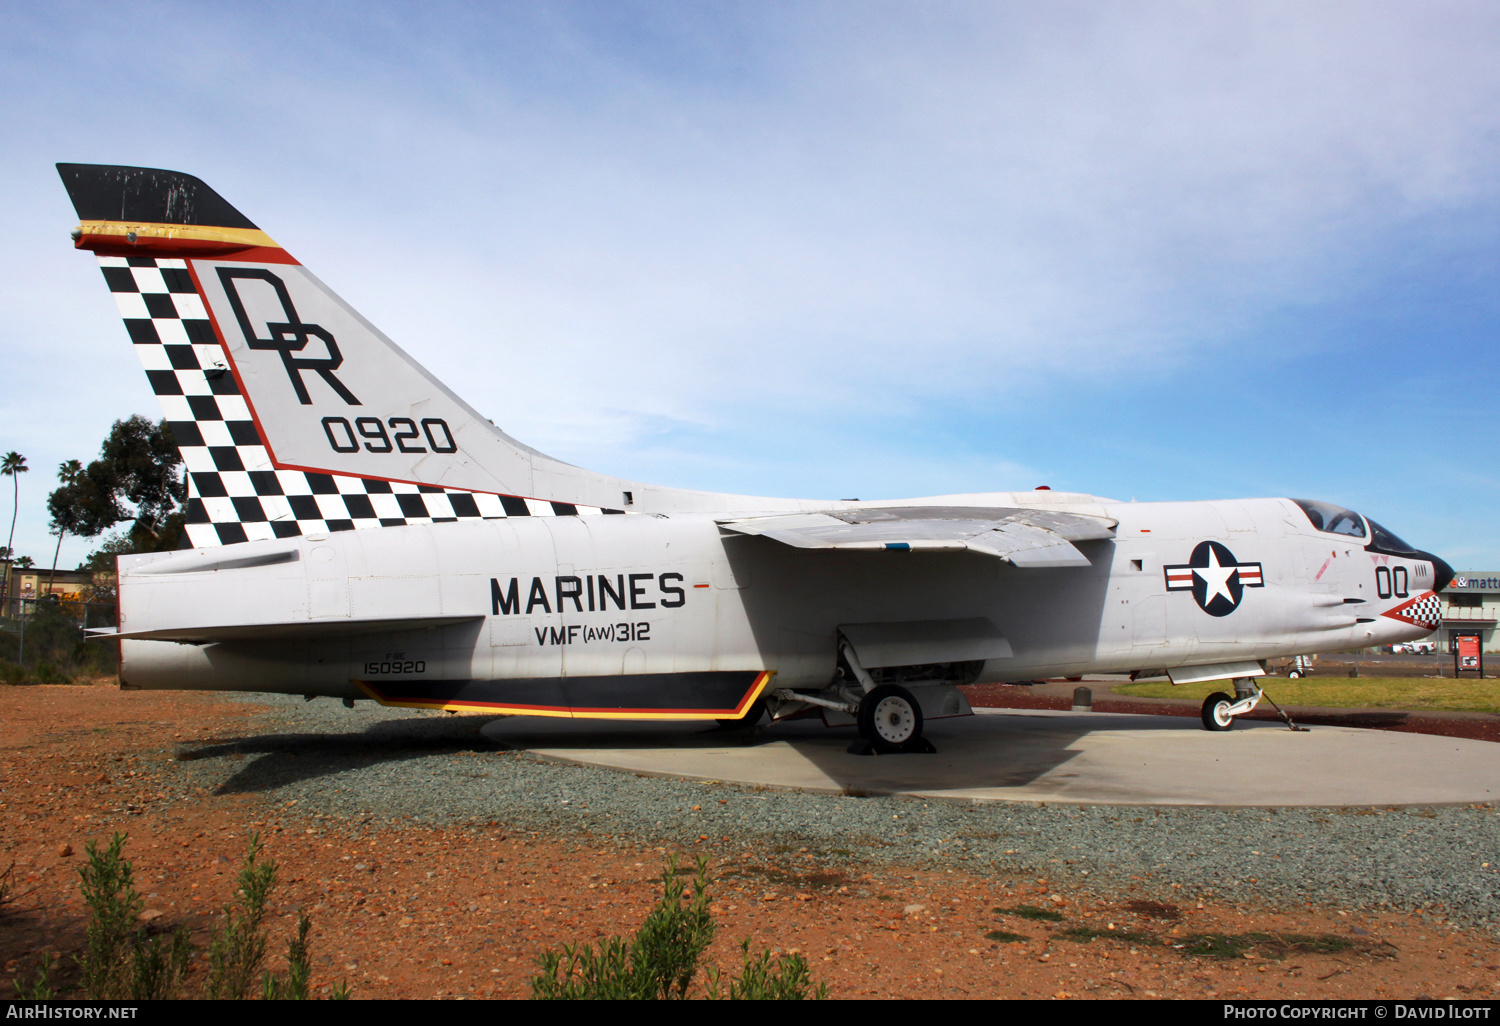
x=1468 y=652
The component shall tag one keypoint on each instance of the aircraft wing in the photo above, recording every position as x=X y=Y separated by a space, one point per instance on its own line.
x=308 y=629
x=1027 y=538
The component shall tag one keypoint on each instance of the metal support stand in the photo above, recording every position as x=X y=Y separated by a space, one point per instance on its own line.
x=1285 y=716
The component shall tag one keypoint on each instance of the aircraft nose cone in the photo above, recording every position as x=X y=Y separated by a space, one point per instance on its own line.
x=1441 y=571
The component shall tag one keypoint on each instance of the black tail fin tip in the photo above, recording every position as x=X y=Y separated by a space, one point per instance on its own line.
x=146 y=195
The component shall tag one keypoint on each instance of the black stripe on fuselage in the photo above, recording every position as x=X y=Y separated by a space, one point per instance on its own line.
x=721 y=693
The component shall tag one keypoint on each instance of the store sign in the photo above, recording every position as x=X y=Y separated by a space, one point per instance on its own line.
x=1476 y=583
x=1468 y=652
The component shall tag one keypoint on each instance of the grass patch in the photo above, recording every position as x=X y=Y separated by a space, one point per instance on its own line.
x=1278 y=946
x=1153 y=909
x=1217 y=945
x=1084 y=934
x=1416 y=693
x=1320 y=944
x=1045 y=915
x=1006 y=937
x=812 y=880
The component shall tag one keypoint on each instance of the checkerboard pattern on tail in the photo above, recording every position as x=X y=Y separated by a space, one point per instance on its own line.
x=235 y=492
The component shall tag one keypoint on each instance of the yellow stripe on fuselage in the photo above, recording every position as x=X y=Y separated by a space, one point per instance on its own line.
x=497 y=709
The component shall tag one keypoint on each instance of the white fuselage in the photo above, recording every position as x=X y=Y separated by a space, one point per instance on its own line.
x=566 y=597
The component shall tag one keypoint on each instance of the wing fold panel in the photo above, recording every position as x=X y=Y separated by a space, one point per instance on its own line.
x=1028 y=538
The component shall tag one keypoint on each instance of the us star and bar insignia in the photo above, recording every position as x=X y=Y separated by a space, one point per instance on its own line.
x=1216 y=579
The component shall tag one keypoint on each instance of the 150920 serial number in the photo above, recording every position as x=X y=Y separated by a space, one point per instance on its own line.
x=397 y=666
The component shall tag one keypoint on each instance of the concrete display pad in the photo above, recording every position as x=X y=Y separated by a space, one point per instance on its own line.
x=1039 y=755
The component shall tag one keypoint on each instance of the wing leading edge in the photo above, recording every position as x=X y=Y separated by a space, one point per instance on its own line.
x=1028 y=538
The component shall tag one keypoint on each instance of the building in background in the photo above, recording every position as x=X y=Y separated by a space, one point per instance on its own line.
x=31 y=583
x=1471 y=604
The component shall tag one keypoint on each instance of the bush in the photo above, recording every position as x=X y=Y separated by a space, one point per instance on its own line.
x=770 y=978
x=123 y=960
x=114 y=910
x=661 y=961
x=40 y=988
x=56 y=651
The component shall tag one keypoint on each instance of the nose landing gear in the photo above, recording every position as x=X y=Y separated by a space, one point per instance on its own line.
x=1219 y=710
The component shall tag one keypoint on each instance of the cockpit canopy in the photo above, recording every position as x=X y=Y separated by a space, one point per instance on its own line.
x=1331 y=519
x=1382 y=540
x=1327 y=517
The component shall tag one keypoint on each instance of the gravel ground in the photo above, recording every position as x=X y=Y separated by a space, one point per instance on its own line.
x=375 y=764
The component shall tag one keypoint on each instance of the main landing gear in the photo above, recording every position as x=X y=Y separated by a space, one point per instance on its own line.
x=889 y=717
x=1219 y=710
x=890 y=720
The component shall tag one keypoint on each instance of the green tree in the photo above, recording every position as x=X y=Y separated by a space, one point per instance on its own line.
x=135 y=478
x=12 y=466
x=68 y=472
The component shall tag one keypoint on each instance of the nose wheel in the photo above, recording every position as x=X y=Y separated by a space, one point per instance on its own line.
x=1216 y=714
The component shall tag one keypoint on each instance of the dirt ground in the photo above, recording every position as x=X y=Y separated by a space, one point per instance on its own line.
x=416 y=912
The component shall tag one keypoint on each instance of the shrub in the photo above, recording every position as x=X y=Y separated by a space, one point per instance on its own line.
x=236 y=952
x=40 y=988
x=768 y=977
x=8 y=893
x=298 y=968
x=123 y=960
x=114 y=910
x=661 y=961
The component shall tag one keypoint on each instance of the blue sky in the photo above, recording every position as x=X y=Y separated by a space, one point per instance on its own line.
x=1152 y=251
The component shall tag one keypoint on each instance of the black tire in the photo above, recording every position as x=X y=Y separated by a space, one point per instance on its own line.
x=1293 y=674
x=890 y=718
x=1213 y=712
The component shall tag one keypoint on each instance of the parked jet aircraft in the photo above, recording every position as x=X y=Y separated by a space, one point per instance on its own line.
x=358 y=531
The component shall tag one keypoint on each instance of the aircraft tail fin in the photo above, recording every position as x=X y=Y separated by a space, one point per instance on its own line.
x=293 y=413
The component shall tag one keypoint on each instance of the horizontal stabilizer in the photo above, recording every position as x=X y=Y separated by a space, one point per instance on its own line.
x=310 y=629
x=1023 y=537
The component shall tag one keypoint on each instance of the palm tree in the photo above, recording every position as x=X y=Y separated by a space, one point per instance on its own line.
x=12 y=465
x=68 y=473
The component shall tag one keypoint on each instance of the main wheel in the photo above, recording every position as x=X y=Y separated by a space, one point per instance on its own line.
x=1293 y=674
x=1216 y=712
x=889 y=717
